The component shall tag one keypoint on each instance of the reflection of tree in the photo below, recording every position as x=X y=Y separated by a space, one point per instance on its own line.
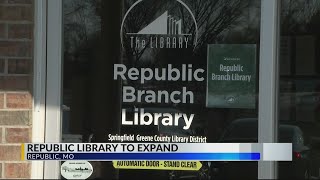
x=297 y=14
x=80 y=23
x=214 y=17
x=135 y=21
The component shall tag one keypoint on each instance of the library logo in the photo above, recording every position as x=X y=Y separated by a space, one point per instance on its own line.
x=166 y=31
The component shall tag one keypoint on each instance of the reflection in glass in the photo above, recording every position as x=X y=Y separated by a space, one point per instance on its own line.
x=299 y=86
x=93 y=100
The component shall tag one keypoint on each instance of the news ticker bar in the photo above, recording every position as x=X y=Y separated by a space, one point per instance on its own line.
x=147 y=156
x=154 y=151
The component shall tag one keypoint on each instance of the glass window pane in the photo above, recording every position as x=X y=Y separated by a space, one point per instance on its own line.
x=299 y=87
x=130 y=62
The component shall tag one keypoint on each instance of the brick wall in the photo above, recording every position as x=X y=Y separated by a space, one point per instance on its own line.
x=16 y=47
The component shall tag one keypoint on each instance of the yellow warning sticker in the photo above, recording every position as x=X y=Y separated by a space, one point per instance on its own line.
x=158 y=165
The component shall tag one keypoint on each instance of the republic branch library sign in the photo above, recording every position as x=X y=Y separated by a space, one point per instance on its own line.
x=231 y=76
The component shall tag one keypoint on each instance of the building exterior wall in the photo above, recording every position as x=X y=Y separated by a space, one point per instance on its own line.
x=16 y=85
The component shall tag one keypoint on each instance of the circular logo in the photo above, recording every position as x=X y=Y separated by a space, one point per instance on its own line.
x=166 y=25
x=76 y=169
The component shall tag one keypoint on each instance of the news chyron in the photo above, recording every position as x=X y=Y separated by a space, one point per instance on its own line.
x=157 y=151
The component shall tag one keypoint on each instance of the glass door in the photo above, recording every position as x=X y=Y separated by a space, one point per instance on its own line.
x=187 y=70
x=299 y=121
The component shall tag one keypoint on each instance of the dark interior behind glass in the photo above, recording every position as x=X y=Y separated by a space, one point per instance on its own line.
x=92 y=99
x=299 y=85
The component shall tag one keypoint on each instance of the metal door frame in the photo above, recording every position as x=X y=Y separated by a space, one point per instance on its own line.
x=39 y=79
x=54 y=82
x=269 y=81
